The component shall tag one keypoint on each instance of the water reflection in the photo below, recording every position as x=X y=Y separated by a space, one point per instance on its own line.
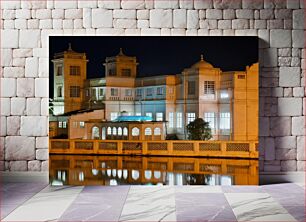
x=124 y=170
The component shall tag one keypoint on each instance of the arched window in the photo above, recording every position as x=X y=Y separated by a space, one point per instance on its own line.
x=109 y=131
x=103 y=133
x=157 y=131
x=125 y=131
x=59 y=91
x=148 y=131
x=114 y=131
x=119 y=131
x=95 y=132
x=135 y=131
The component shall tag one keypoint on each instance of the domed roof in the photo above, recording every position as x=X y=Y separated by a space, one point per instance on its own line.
x=202 y=64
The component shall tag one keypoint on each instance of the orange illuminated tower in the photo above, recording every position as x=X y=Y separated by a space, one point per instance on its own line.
x=245 y=104
x=69 y=76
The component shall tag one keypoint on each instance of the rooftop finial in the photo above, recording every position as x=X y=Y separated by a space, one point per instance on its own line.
x=202 y=57
x=70 y=49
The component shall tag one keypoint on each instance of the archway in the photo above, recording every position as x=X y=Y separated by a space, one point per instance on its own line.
x=114 y=131
x=125 y=132
x=157 y=131
x=95 y=132
x=148 y=133
x=135 y=131
x=109 y=133
x=103 y=133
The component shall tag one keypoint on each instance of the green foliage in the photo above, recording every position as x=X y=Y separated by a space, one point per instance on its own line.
x=171 y=137
x=199 y=130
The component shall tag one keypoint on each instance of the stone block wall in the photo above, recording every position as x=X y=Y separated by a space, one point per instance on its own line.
x=26 y=25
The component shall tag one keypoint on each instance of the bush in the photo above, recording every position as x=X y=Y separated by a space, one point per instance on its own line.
x=199 y=130
x=171 y=137
x=61 y=136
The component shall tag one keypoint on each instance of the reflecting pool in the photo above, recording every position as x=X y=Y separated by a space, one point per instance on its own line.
x=139 y=170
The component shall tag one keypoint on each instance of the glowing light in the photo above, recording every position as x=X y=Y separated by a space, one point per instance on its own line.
x=119 y=173
x=135 y=174
x=133 y=118
x=148 y=174
x=95 y=172
x=125 y=174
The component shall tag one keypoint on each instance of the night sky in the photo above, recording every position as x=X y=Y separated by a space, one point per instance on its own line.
x=160 y=55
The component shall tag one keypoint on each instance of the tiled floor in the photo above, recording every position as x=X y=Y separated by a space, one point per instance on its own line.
x=41 y=202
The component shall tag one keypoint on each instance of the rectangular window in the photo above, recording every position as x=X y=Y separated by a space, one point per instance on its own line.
x=128 y=92
x=225 y=120
x=75 y=124
x=111 y=72
x=159 y=116
x=82 y=124
x=149 y=114
x=114 y=116
x=241 y=76
x=59 y=71
x=149 y=92
x=75 y=91
x=60 y=91
x=170 y=90
x=75 y=70
x=87 y=92
x=179 y=120
x=138 y=114
x=190 y=117
x=94 y=93
x=114 y=92
x=126 y=72
x=210 y=118
x=60 y=124
x=171 y=120
x=139 y=92
x=191 y=87
x=209 y=88
x=101 y=92
x=65 y=125
x=224 y=94
x=160 y=90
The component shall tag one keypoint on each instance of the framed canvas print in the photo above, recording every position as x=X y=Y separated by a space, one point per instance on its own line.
x=153 y=110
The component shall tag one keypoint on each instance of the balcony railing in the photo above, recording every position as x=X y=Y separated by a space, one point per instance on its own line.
x=241 y=149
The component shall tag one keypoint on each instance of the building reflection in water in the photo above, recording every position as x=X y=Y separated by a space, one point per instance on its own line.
x=128 y=170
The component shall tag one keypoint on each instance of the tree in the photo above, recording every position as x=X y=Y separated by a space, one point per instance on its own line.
x=199 y=130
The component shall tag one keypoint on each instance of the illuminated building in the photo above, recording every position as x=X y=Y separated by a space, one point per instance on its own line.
x=227 y=100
